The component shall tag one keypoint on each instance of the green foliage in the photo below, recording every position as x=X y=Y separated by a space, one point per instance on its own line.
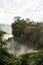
x=30 y=33
x=38 y=59
x=18 y=27
x=5 y=57
x=25 y=59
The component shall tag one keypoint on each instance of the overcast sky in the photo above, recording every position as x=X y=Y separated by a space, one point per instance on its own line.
x=32 y=9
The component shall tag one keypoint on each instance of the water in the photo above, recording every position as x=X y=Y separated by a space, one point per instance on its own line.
x=14 y=47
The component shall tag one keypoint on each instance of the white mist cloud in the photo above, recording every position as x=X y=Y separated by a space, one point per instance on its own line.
x=32 y=9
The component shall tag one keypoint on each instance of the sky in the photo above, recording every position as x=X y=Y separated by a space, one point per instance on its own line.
x=32 y=9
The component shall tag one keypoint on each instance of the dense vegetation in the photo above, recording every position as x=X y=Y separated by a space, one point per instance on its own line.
x=26 y=32
x=5 y=57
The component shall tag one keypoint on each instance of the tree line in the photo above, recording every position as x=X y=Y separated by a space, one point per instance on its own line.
x=28 y=32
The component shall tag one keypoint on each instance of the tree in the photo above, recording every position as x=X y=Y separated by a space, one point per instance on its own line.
x=5 y=57
x=28 y=32
x=18 y=27
x=25 y=59
x=38 y=59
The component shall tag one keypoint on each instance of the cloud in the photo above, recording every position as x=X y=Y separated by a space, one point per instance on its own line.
x=24 y=8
